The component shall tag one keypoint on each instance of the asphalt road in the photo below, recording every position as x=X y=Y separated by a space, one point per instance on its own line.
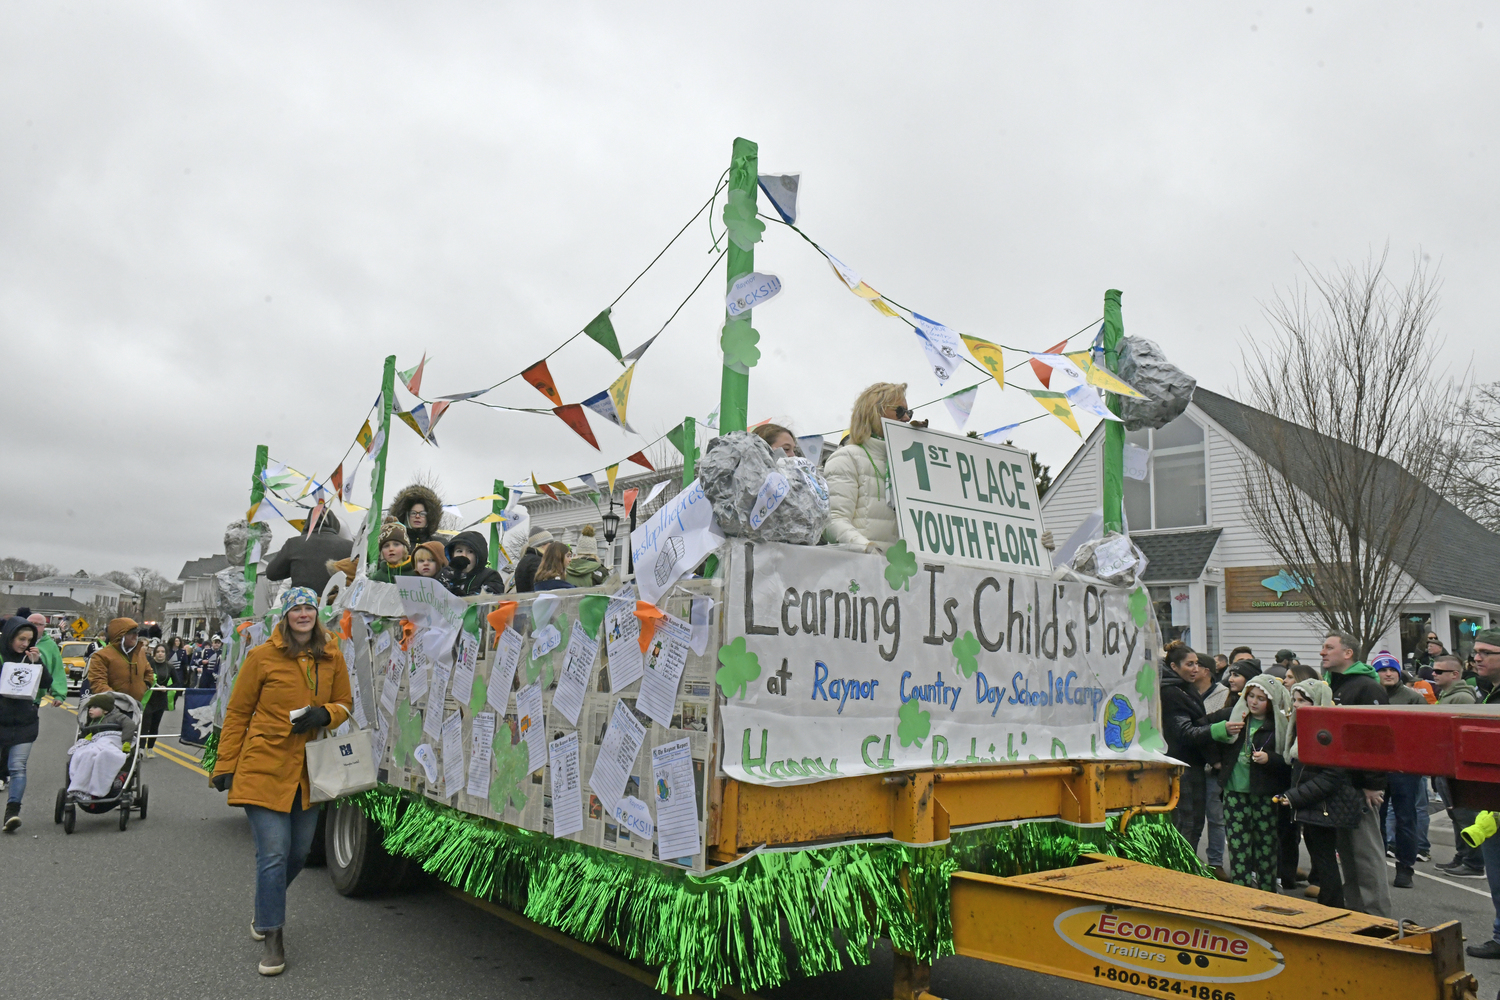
x=162 y=911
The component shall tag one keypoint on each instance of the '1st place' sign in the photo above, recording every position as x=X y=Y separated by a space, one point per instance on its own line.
x=964 y=499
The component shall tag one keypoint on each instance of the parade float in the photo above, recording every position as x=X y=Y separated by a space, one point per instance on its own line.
x=752 y=759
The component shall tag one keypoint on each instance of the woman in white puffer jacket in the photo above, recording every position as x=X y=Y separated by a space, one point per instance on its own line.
x=860 y=508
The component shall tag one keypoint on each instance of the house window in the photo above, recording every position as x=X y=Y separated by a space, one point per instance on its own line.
x=1174 y=493
x=1211 y=619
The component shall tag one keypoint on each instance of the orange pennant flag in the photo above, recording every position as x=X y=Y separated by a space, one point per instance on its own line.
x=346 y=625
x=629 y=497
x=500 y=619
x=572 y=415
x=640 y=459
x=1044 y=372
x=542 y=487
x=539 y=376
x=649 y=614
x=407 y=631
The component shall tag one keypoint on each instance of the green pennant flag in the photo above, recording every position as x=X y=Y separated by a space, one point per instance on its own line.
x=591 y=612
x=602 y=331
x=684 y=437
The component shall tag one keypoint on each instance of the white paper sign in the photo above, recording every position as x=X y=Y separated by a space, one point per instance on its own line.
x=429 y=605
x=1113 y=557
x=418 y=672
x=503 y=672
x=677 y=538
x=545 y=641
x=622 y=637
x=960 y=499
x=772 y=492
x=531 y=725
x=676 y=800
x=453 y=754
x=666 y=656
x=1181 y=607
x=391 y=688
x=635 y=816
x=750 y=291
x=463 y=670
x=621 y=745
x=428 y=760
x=481 y=748
x=567 y=786
x=941 y=345
x=578 y=665
x=436 y=696
x=702 y=609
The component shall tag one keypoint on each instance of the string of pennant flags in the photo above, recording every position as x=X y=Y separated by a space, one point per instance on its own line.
x=1070 y=380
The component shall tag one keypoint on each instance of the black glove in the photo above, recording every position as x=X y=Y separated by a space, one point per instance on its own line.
x=223 y=782
x=314 y=718
x=459 y=564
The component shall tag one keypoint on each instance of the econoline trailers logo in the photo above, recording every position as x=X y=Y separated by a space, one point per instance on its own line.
x=1178 y=947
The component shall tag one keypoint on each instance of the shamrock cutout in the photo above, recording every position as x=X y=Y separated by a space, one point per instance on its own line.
x=853 y=586
x=511 y=762
x=1148 y=737
x=1145 y=682
x=739 y=669
x=966 y=650
x=738 y=343
x=739 y=218
x=915 y=724
x=478 y=693
x=1139 y=602
x=408 y=731
x=901 y=565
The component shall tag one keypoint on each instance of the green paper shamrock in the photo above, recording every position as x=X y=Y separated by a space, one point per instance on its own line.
x=853 y=586
x=1145 y=682
x=915 y=724
x=408 y=731
x=1139 y=603
x=739 y=218
x=966 y=650
x=738 y=343
x=511 y=761
x=478 y=693
x=901 y=565
x=739 y=669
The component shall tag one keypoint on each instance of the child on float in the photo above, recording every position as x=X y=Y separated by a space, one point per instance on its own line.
x=429 y=560
x=1254 y=772
x=395 y=553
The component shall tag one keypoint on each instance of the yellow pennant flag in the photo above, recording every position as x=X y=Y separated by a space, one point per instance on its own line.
x=300 y=523
x=353 y=508
x=611 y=472
x=619 y=392
x=411 y=421
x=988 y=354
x=1057 y=404
x=364 y=437
x=1102 y=377
x=250 y=514
x=560 y=485
x=884 y=309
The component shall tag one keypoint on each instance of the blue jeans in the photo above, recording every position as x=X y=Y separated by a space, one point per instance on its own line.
x=16 y=762
x=282 y=841
x=1215 y=813
x=1424 y=846
x=1490 y=851
x=1400 y=806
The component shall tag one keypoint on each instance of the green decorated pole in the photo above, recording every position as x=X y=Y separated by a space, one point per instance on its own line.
x=257 y=494
x=1114 y=432
x=377 y=498
x=690 y=451
x=739 y=338
x=497 y=507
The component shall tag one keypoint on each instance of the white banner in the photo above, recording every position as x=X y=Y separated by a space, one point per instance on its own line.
x=961 y=499
x=838 y=663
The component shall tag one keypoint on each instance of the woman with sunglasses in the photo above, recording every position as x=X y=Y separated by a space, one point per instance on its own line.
x=861 y=511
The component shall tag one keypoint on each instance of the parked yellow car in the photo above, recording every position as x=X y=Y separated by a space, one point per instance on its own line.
x=76 y=662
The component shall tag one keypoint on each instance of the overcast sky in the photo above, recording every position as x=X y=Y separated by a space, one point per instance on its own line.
x=216 y=220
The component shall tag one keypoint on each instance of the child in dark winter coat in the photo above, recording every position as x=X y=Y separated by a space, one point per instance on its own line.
x=468 y=570
x=395 y=553
x=1255 y=771
x=1325 y=801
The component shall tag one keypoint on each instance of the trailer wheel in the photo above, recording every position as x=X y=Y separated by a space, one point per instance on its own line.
x=124 y=816
x=357 y=858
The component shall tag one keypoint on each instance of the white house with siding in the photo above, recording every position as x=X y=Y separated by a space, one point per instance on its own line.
x=1215 y=583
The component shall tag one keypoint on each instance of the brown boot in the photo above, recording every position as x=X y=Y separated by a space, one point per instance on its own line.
x=274 y=959
x=1311 y=892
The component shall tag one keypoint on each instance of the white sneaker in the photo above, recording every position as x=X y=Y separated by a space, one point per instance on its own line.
x=255 y=935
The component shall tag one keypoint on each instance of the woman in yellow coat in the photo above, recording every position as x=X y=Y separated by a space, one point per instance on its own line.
x=262 y=757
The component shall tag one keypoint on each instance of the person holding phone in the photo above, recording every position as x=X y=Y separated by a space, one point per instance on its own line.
x=290 y=686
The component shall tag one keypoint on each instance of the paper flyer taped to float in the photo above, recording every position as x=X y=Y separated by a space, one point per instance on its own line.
x=841 y=663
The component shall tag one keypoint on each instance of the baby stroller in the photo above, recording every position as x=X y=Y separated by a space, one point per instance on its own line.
x=127 y=791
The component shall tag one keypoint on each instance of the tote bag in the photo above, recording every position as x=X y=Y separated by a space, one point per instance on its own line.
x=20 y=680
x=340 y=765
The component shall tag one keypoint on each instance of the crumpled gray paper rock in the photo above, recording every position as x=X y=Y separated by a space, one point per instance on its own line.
x=1145 y=366
x=1114 y=559
x=757 y=495
x=238 y=537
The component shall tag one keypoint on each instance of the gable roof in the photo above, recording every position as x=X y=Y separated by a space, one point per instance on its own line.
x=207 y=566
x=80 y=579
x=1177 y=555
x=1458 y=552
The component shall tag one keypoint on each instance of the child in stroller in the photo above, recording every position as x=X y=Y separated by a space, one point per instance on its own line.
x=106 y=735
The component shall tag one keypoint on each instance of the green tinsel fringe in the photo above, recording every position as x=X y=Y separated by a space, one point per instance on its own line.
x=210 y=752
x=726 y=928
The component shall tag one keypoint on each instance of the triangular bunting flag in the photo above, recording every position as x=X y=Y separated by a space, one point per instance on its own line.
x=412 y=377
x=540 y=488
x=365 y=436
x=781 y=191
x=602 y=404
x=629 y=499
x=539 y=376
x=460 y=396
x=641 y=460
x=573 y=416
x=1056 y=404
x=884 y=309
x=846 y=274
x=941 y=345
x=1086 y=398
x=611 y=473
x=988 y=354
x=678 y=436
x=336 y=481
x=1041 y=368
x=961 y=404
x=562 y=486
x=602 y=332
x=1064 y=371
x=655 y=492
x=635 y=355
x=619 y=393
x=1102 y=377
x=589 y=480
x=438 y=409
